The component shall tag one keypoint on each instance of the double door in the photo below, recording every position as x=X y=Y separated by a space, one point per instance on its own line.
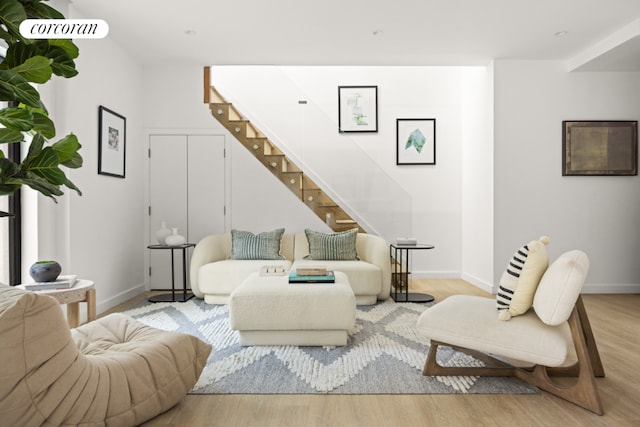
x=187 y=191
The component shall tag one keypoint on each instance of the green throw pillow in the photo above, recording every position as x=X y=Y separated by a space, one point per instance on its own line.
x=332 y=247
x=248 y=246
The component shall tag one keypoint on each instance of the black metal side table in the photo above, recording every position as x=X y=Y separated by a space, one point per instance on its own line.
x=172 y=296
x=400 y=254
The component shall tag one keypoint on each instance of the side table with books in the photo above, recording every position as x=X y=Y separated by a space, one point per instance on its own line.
x=70 y=291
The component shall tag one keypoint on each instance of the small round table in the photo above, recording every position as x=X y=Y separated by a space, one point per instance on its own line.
x=82 y=291
x=400 y=255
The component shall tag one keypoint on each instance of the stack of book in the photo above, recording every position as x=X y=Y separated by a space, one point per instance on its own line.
x=311 y=275
x=62 y=282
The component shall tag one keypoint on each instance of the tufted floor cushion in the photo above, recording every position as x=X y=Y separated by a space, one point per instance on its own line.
x=112 y=371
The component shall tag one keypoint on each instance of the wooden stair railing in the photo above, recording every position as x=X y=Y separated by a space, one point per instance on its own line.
x=276 y=161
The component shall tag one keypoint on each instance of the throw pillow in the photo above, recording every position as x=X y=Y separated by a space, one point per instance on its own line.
x=520 y=280
x=248 y=246
x=332 y=247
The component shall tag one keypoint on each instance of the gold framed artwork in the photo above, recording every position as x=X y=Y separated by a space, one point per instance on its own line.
x=599 y=147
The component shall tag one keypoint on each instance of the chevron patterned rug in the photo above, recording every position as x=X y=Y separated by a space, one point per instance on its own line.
x=384 y=355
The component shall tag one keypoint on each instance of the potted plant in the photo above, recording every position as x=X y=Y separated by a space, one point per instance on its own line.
x=24 y=116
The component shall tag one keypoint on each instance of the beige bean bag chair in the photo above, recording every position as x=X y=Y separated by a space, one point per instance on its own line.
x=113 y=371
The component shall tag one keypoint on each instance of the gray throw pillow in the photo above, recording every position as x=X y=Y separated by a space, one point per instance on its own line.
x=332 y=247
x=248 y=246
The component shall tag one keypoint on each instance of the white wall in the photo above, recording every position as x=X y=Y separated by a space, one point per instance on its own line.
x=477 y=179
x=98 y=235
x=600 y=215
x=452 y=95
x=257 y=200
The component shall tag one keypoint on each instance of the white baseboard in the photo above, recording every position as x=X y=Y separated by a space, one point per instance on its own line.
x=478 y=283
x=105 y=305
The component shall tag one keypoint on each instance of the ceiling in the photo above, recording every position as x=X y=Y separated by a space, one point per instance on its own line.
x=600 y=35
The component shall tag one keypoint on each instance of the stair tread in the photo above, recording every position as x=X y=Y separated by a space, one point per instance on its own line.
x=317 y=199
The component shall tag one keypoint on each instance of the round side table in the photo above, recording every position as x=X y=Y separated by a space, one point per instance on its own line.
x=82 y=291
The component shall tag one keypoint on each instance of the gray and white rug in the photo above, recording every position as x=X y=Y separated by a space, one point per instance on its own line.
x=384 y=355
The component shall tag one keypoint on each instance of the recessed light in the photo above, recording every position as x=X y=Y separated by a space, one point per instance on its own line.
x=561 y=33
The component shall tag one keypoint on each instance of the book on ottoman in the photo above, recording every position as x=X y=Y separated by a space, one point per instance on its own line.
x=329 y=277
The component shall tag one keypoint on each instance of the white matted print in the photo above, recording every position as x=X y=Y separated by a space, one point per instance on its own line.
x=112 y=136
x=357 y=109
x=416 y=141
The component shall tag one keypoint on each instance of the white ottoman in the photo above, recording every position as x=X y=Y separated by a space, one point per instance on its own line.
x=268 y=310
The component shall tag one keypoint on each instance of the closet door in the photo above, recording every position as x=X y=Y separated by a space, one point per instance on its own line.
x=187 y=191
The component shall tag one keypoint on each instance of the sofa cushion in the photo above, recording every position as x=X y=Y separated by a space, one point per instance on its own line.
x=248 y=246
x=520 y=280
x=223 y=277
x=365 y=278
x=334 y=246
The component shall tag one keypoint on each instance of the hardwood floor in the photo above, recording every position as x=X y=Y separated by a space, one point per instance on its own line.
x=615 y=320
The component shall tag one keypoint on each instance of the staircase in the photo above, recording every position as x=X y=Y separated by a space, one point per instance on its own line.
x=267 y=153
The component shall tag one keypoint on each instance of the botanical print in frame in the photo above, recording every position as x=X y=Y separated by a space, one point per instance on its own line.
x=112 y=136
x=415 y=141
x=357 y=109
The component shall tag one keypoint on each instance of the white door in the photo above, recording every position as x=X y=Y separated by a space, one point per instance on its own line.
x=187 y=192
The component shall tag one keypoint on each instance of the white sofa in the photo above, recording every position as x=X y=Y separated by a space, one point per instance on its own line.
x=214 y=276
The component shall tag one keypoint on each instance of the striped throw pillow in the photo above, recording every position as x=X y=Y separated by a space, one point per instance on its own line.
x=332 y=247
x=248 y=246
x=520 y=280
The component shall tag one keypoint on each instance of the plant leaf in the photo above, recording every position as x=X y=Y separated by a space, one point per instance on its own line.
x=10 y=135
x=35 y=147
x=45 y=165
x=40 y=10
x=62 y=64
x=18 y=53
x=19 y=88
x=42 y=185
x=72 y=186
x=16 y=118
x=36 y=69
x=67 y=45
x=44 y=125
x=12 y=13
x=66 y=148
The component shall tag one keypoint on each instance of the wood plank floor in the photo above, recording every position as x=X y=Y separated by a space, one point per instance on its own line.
x=616 y=324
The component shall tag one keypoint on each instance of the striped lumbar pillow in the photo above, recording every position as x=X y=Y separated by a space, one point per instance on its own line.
x=248 y=246
x=332 y=247
x=520 y=280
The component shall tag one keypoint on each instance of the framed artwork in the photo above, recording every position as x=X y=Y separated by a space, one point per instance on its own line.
x=112 y=139
x=357 y=109
x=415 y=141
x=599 y=148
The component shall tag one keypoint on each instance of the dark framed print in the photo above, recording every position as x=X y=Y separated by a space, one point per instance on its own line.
x=357 y=109
x=599 y=147
x=415 y=141
x=112 y=143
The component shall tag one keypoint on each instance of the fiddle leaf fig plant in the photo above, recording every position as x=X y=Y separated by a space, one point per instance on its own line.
x=24 y=118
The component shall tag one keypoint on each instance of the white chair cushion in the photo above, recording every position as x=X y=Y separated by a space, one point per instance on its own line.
x=470 y=322
x=365 y=278
x=560 y=287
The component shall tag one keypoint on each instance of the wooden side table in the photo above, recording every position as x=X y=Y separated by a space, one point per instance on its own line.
x=82 y=291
